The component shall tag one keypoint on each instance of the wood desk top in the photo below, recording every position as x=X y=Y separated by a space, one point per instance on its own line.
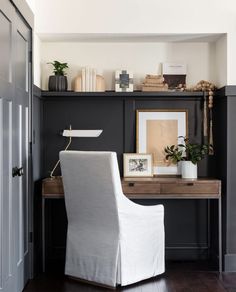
x=151 y=188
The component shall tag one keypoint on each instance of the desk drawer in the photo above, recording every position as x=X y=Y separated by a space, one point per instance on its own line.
x=53 y=186
x=141 y=188
x=190 y=188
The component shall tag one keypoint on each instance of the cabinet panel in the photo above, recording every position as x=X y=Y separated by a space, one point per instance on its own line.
x=5 y=41
x=81 y=114
x=21 y=61
x=7 y=212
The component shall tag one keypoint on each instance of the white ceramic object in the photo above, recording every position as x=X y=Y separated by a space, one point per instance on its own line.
x=82 y=133
x=189 y=170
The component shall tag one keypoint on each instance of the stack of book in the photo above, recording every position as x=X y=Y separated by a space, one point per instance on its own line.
x=154 y=83
x=88 y=80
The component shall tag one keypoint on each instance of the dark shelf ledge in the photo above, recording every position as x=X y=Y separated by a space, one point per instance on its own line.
x=122 y=94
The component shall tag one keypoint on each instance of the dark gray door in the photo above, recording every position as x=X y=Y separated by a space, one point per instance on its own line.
x=14 y=149
x=7 y=250
x=21 y=148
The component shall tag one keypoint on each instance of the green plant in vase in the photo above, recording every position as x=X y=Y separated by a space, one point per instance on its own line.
x=58 y=81
x=189 y=153
x=59 y=68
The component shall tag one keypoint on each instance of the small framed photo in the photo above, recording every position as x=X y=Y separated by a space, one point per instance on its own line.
x=174 y=74
x=137 y=165
x=124 y=81
x=158 y=128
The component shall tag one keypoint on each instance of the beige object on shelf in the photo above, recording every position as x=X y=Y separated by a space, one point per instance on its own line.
x=100 y=83
x=154 y=83
x=164 y=87
x=78 y=83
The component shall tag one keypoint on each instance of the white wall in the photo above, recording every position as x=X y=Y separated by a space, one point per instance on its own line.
x=56 y=17
x=31 y=4
x=37 y=60
x=141 y=58
x=134 y=16
x=220 y=60
x=36 y=47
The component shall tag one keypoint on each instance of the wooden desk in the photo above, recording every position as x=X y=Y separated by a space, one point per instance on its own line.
x=148 y=188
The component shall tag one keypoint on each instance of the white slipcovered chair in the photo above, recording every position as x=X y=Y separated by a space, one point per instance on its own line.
x=110 y=239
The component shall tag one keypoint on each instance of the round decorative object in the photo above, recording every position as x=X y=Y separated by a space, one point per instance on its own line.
x=79 y=84
x=57 y=83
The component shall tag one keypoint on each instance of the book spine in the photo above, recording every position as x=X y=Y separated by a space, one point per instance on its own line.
x=94 y=80
x=154 y=76
x=90 y=79
x=147 y=88
x=87 y=79
x=154 y=80
x=153 y=84
x=83 y=80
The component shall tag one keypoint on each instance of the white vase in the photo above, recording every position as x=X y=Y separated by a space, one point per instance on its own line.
x=188 y=170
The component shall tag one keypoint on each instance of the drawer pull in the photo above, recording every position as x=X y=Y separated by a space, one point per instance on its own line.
x=131 y=184
x=190 y=184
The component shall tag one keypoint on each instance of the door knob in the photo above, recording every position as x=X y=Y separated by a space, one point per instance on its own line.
x=17 y=171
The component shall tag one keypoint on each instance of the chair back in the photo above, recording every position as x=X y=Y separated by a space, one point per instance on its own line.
x=91 y=181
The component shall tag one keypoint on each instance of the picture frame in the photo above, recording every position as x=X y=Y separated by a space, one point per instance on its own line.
x=174 y=74
x=158 y=128
x=124 y=81
x=137 y=165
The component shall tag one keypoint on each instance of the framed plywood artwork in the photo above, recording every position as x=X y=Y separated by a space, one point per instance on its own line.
x=157 y=129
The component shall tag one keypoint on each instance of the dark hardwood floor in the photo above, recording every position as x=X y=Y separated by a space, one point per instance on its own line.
x=179 y=277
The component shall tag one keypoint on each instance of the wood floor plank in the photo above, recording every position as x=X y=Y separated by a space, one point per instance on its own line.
x=179 y=277
x=171 y=281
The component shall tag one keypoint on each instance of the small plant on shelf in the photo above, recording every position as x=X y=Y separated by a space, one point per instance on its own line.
x=188 y=152
x=58 y=82
x=59 y=68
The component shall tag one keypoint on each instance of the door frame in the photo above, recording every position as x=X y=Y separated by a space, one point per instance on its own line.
x=24 y=11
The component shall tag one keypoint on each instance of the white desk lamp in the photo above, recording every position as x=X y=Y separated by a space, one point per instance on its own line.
x=76 y=133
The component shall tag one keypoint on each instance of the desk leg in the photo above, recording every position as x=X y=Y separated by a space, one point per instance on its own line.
x=43 y=234
x=220 y=235
x=208 y=227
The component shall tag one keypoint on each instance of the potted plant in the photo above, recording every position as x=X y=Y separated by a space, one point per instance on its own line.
x=58 y=82
x=189 y=154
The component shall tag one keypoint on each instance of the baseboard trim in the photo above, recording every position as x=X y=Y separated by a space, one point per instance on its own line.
x=230 y=262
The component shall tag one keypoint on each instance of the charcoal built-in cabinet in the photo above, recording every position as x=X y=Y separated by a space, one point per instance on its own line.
x=186 y=221
x=15 y=90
